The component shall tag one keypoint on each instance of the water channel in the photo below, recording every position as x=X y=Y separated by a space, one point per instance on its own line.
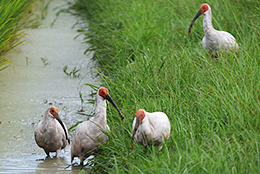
x=35 y=83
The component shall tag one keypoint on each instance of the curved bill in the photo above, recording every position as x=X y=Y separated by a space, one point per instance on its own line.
x=194 y=19
x=62 y=125
x=113 y=103
x=137 y=123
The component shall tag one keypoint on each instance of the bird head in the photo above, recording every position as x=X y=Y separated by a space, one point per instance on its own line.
x=53 y=111
x=139 y=115
x=103 y=92
x=203 y=8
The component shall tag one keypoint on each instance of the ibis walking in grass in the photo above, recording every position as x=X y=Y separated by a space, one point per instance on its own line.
x=51 y=133
x=213 y=40
x=90 y=134
x=150 y=128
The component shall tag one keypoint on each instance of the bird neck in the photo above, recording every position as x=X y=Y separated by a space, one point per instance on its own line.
x=145 y=123
x=48 y=120
x=47 y=115
x=207 y=23
x=100 y=110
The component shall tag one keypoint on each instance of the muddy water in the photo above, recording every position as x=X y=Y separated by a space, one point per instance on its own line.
x=35 y=84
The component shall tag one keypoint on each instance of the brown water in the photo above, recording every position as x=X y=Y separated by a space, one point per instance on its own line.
x=28 y=89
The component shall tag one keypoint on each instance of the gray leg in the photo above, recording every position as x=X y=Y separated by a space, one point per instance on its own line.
x=160 y=147
x=81 y=160
x=47 y=153
x=57 y=153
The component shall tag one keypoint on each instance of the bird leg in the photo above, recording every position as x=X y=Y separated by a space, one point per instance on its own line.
x=57 y=153
x=160 y=147
x=47 y=153
x=81 y=160
x=213 y=56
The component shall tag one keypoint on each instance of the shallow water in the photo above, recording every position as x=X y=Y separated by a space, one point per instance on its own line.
x=28 y=89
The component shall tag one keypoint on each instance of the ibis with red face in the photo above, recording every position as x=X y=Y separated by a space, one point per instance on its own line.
x=90 y=134
x=150 y=128
x=51 y=133
x=214 y=41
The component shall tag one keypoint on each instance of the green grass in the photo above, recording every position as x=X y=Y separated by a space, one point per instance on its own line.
x=16 y=15
x=147 y=60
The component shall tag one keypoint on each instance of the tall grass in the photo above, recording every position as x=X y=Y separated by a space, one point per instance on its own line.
x=148 y=61
x=15 y=16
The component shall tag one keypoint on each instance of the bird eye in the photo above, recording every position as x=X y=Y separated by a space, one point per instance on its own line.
x=52 y=110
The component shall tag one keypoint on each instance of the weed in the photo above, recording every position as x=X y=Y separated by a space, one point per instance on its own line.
x=45 y=61
x=26 y=59
x=3 y=63
x=73 y=73
x=44 y=4
x=15 y=16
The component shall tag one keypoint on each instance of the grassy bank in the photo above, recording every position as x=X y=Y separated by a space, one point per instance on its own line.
x=148 y=61
x=15 y=16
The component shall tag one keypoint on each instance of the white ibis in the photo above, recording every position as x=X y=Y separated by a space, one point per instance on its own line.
x=214 y=40
x=150 y=128
x=51 y=133
x=90 y=134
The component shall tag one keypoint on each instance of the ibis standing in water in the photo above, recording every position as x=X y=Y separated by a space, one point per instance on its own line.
x=51 y=133
x=90 y=134
x=150 y=128
x=213 y=40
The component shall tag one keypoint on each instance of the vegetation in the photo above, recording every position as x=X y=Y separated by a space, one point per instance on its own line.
x=74 y=73
x=147 y=60
x=15 y=16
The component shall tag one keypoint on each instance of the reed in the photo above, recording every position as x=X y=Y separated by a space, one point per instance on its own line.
x=15 y=16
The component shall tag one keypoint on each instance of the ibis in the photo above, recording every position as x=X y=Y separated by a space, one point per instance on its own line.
x=214 y=41
x=150 y=128
x=51 y=133
x=90 y=134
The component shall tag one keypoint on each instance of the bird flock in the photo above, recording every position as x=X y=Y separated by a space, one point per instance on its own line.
x=154 y=128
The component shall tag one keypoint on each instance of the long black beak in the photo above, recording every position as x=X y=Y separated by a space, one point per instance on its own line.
x=113 y=103
x=62 y=125
x=137 y=123
x=194 y=19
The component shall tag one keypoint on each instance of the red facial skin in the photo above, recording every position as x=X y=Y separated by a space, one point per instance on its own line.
x=204 y=8
x=103 y=92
